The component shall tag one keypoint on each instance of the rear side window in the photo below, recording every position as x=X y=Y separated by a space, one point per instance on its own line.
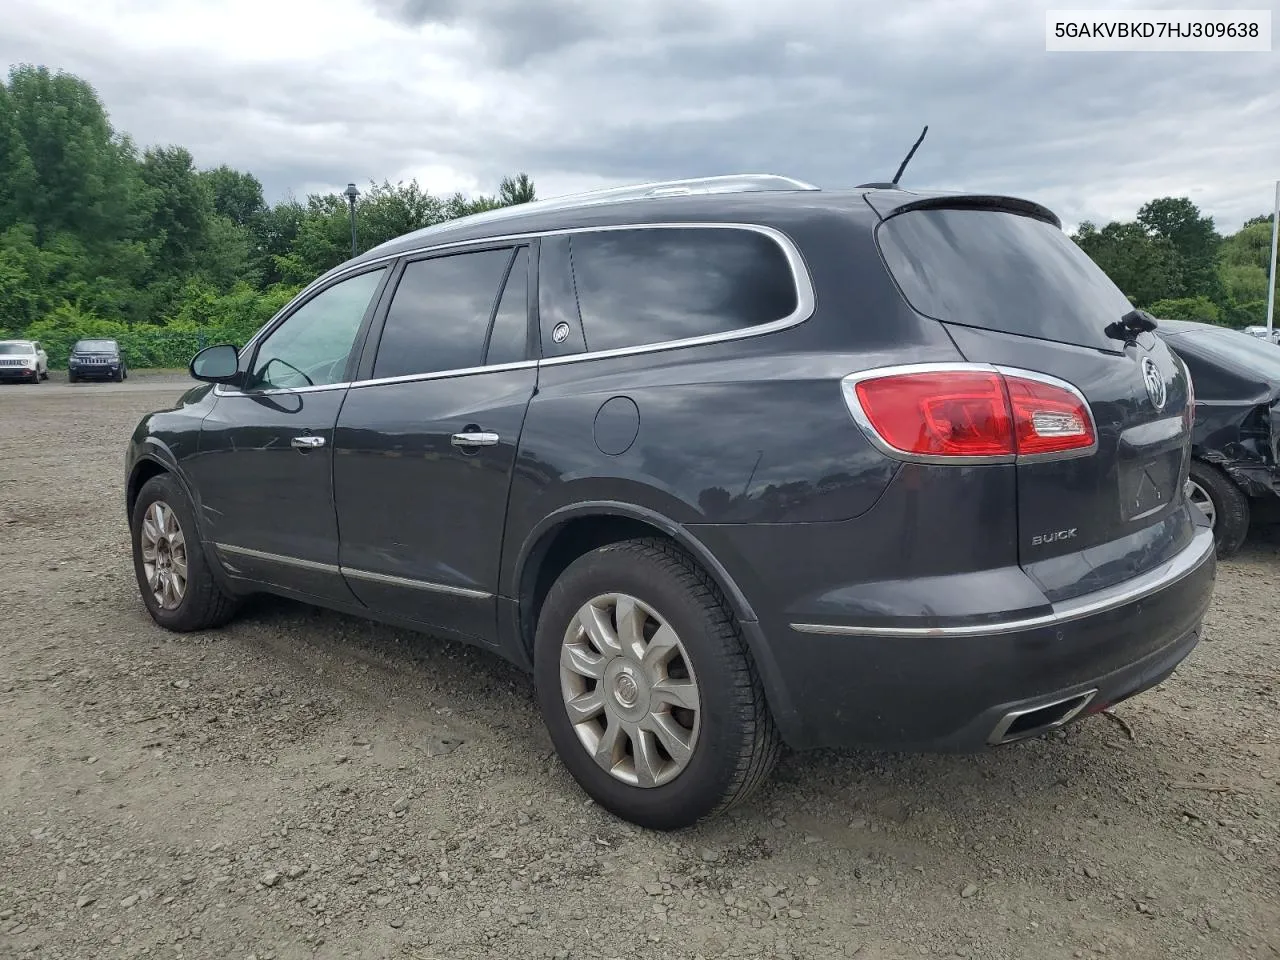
x=639 y=287
x=439 y=316
x=1001 y=271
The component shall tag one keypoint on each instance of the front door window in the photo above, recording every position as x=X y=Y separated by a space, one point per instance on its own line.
x=313 y=346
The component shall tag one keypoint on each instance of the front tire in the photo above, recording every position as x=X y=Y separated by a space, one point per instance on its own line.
x=1216 y=495
x=647 y=689
x=174 y=578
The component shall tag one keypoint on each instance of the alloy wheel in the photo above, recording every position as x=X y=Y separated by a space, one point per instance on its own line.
x=1201 y=499
x=164 y=555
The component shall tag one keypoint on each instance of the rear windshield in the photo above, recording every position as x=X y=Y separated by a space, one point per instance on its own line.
x=96 y=346
x=1001 y=271
x=1240 y=351
x=21 y=349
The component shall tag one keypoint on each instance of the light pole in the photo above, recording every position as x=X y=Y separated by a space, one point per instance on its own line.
x=351 y=194
x=1271 y=279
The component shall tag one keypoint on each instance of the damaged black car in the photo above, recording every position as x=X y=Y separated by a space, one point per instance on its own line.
x=1234 y=477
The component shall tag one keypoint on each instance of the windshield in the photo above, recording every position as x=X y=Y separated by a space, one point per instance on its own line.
x=96 y=346
x=1001 y=271
x=1236 y=350
x=21 y=349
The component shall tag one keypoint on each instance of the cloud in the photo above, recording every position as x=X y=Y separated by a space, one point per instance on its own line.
x=583 y=94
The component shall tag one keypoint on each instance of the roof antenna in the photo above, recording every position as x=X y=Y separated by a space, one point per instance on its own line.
x=893 y=185
x=911 y=153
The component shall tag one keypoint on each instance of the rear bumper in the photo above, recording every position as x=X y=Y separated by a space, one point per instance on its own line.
x=967 y=685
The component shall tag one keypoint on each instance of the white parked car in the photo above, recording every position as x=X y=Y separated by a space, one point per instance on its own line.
x=1261 y=333
x=23 y=360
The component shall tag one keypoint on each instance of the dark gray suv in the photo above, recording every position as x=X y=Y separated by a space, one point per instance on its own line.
x=725 y=464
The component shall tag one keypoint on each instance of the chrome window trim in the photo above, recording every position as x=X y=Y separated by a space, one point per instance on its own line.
x=1172 y=571
x=806 y=300
x=444 y=374
x=321 y=388
x=854 y=405
x=427 y=585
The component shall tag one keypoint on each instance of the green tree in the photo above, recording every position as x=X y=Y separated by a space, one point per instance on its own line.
x=517 y=189
x=1144 y=267
x=18 y=180
x=1187 y=308
x=1179 y=221
x=228 y=256
x=180 y=209
x=272 y=234
x=236 y=195
x=79 y=179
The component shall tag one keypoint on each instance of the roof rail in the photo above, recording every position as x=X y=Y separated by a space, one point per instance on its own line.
x=728 y=183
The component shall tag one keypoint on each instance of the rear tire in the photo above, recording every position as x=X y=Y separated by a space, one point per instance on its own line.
x=199 y=602
x=1229 y=505
x=706 y=757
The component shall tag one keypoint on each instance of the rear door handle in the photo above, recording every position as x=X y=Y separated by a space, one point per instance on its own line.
x=474 y=438
x=308 y=442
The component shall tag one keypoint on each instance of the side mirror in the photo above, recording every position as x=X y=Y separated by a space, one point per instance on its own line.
x=217 y=364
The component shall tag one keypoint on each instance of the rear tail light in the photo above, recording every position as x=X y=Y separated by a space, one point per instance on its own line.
x=972 y=412
x=1190 y=416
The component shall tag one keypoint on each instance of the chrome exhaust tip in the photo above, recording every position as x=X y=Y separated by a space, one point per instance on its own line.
x=1041 y=718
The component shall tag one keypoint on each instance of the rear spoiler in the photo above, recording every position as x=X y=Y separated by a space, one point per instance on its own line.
x=890 y=203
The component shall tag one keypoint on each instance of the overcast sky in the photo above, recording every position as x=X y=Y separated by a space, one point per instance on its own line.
x=308 y=94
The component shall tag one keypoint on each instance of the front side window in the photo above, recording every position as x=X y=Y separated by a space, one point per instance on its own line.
x=439 y=316
x=648 y=286
x=313 y=345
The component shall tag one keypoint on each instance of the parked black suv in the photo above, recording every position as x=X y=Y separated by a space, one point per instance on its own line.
x=97 y=359
x=723 y=463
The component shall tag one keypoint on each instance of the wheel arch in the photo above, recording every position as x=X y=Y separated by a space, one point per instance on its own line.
x=152 y=460
x=571 y=531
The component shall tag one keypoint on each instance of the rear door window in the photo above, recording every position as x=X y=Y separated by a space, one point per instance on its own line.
x=509 y=335
x=647 y=286
x=1001 y=271
x=439 y=316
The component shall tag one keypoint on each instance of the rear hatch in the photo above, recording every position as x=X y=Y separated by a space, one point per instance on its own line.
x=1013 y=290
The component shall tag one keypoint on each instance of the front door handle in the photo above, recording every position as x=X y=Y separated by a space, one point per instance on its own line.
x=309 y=442
x=474 y=438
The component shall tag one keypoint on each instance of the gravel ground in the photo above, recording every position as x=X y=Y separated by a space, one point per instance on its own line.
x=303 y=784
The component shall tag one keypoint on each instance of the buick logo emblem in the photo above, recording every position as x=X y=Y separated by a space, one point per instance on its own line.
x=1154 y=382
